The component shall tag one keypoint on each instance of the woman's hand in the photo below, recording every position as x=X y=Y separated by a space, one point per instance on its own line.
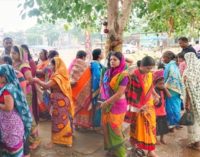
x=187 y=106
x=156 y=98
x=184 y=79
x=104 y=105
x=36 y=80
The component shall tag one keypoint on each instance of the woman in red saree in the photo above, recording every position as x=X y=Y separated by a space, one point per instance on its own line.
x=141 y=113
x=114 y=104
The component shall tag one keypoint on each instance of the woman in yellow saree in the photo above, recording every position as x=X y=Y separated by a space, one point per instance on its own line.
x=62 y=105
x=141 y=113
x=114 y=106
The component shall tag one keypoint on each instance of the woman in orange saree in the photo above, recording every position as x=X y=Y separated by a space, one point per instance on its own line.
x=62 y=104
x=80 y=77
x=41 y=73
x=141 y=113
x=114 y=104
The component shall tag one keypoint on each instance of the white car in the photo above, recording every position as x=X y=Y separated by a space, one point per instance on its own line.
x=128 y=48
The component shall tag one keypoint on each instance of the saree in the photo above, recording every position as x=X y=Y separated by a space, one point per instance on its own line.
x=42 y=106
x=113 y=116
x=174 y=84
x=141 y=112
x=18 y=122
x=62 y=105
x=31 y=98
x=80 y=76
x=96 y=70
x=192 y=87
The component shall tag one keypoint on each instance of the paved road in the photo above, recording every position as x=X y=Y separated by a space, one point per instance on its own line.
x=90 y=144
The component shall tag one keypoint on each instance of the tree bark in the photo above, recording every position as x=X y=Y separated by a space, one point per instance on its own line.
x=117 y=20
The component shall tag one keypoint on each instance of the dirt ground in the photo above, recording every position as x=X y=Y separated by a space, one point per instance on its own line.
x=90 y=144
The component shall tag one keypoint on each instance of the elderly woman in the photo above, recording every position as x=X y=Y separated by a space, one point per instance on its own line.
x=15 y=117
x=192 y=84
x=174 y=84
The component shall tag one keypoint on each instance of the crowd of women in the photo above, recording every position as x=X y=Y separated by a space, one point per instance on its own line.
x=89 y=95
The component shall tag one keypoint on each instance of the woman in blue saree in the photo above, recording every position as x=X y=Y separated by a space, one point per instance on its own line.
x=96 y=69
x=174 y=84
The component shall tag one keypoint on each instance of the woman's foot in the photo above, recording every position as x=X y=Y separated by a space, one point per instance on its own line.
x=152 y=154
x=162 y=140
x=110 y=154
x=69 y=145
x=34 y=145
x=49 y=145
x=172 y=130
x=178 y=127
x=158 y=142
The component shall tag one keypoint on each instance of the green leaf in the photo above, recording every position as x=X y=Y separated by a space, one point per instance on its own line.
x=88 y=8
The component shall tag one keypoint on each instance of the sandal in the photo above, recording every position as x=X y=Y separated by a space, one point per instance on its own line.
x=138 y=152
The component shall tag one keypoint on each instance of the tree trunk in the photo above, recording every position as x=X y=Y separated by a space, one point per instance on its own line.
x=118 y=16
x=88 y=45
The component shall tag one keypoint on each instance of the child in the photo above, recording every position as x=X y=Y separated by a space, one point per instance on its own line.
x=181 y=62
x=161 y=119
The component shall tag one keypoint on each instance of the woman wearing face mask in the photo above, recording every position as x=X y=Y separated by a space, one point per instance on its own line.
x=173 y=83
x=114 y=106
x=141 y=112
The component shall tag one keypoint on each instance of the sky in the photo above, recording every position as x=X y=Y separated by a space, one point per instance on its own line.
x=10 y=19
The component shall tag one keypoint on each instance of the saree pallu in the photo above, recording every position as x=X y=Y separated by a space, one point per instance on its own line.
x=173 y=82
x=43 y=108
x=113 y=116
x=96 y=69
x=192 y=90
x=113 y=137
x=143 y=122
x=12 y=132
x=82 y=97
x=143 y=129
x=61 y=119
x=34 y=136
